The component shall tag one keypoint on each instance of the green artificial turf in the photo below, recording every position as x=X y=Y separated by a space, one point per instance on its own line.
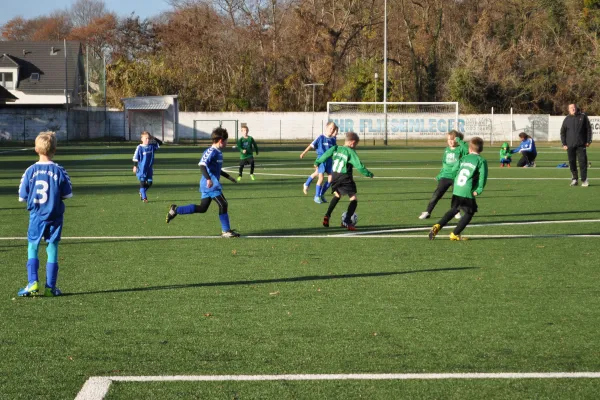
x=303 y=303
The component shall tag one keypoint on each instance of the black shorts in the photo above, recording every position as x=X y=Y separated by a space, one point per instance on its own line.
x=247 y=161
x=465 y=204
x=343 y=184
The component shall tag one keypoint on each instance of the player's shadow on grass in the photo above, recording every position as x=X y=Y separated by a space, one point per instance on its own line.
x=267 y=281
x=335 y=228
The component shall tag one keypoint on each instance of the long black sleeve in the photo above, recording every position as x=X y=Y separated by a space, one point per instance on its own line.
x=563 y=133
x=204 y=172
x=588 y=127
x=157 y=140
x=225 y=175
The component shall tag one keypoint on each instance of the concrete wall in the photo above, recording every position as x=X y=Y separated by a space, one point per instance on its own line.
x=25 y=123
x=20 y=123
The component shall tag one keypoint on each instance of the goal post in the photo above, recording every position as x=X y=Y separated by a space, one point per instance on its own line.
x=396 y=120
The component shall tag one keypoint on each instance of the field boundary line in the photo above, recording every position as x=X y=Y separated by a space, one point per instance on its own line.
x=96 y=387
x=362 y=234
x=373 y=234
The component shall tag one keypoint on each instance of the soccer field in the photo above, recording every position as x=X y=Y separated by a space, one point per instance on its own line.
x=206 y=317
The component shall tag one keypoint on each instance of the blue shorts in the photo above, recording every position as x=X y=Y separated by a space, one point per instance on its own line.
x=145 y=178
x=212 y=194
x=506 y=160
x=326 y=167
x=49 y=230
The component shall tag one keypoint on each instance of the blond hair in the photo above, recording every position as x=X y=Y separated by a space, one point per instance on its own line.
x=45 y=144
x=145 y=133
x=335 y=127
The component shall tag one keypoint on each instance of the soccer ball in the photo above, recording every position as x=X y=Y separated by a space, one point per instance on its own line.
x=353 y=219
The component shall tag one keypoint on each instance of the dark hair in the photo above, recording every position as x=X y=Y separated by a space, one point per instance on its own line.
x=476 y=144
x=524 y=136
x=218 y=134
x=352 y=136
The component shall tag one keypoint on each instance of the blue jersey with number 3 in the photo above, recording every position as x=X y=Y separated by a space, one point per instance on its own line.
x=43 y=186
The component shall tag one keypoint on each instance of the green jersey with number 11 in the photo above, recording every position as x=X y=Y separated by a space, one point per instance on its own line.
x=471 y=176
x=343 y=160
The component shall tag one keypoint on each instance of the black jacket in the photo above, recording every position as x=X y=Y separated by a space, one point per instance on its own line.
x=576 y=130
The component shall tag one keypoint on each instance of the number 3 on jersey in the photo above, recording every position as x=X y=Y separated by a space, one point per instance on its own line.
x=42 y=191
x=463 y=176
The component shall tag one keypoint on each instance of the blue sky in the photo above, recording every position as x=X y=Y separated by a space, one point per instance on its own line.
x=34 y=8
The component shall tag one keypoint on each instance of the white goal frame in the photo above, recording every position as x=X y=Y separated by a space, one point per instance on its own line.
x=386 y=114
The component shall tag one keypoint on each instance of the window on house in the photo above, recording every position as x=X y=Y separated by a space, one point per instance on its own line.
x=35 y=76
x=7 y=80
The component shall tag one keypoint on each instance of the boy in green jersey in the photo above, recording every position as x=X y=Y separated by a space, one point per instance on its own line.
x=245 y=145
x=455 y=151
x=468 y=184
x=505 y=155
x=344 y=159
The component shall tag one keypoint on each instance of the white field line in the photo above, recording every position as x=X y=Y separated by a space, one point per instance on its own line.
x=96 y=387
x=14 y=151
x=362 y=234
x=417 y=177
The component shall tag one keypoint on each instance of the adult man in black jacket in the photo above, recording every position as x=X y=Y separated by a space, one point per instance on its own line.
x=576 y=135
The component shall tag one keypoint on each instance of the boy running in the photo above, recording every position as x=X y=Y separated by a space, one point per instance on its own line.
x=455 y=151
x=321 y=145
x=210 y=187
x=468 y=184
x=344 y=158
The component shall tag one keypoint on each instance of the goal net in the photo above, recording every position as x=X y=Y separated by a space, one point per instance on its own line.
x=396 y=120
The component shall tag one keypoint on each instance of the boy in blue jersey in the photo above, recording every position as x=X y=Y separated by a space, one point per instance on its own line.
x=143 y=159
x=321 y=145
x=211 y=165
x=43 y=187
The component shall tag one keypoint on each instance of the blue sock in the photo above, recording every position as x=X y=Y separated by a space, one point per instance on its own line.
x=308 y=181
x=51 y=274
x=325 y=187
x=318 y=192
x=33 y=265
x=189 y=209
x=143 y=192
x=224 y=222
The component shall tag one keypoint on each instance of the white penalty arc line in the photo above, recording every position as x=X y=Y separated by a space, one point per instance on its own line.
x=96 y=387
x=387 y=233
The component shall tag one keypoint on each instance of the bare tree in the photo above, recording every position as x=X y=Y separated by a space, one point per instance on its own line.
x=83 y=12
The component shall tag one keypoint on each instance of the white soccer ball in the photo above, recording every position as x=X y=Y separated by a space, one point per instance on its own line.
x=353 y=219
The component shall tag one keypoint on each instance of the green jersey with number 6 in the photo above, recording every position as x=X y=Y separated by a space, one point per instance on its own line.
x=471 y=176
x=343 y=160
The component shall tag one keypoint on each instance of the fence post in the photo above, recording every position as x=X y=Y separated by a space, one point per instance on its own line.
x=280 y=132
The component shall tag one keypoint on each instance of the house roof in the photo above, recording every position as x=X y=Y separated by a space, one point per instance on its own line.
x=45 y=58
x=7 y=61
x=6 y=96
